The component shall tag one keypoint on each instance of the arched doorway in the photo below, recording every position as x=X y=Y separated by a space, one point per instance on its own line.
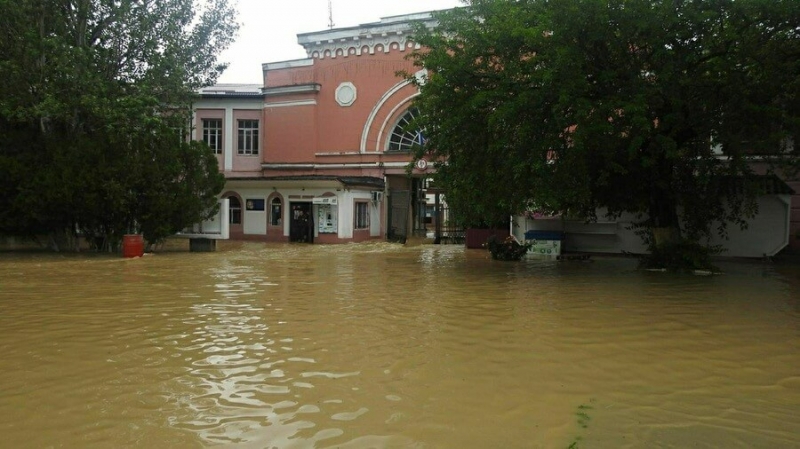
x=235 y=214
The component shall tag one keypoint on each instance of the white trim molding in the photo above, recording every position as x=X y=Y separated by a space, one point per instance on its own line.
x=286 y=104
x=287 y=64
x=346 y=94
x=376 y=109
x=385 y=142
x=286 y=90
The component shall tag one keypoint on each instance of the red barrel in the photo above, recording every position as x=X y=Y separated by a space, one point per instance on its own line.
x=132 y=245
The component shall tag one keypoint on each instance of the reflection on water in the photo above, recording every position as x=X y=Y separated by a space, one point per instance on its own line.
x=380 y=345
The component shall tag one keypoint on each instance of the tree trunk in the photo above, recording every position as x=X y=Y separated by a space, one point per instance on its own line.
x=665 y=235
x=664 y=220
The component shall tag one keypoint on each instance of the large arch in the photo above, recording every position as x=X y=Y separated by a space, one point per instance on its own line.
x=395 y=117
x=384 y=111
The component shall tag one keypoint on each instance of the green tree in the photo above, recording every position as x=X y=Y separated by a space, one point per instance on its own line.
x=95 y=95
x=651 y=107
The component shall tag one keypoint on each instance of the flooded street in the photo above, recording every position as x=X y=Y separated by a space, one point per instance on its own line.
x=380 y=345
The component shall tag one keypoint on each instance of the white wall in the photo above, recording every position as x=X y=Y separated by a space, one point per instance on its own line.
x=346 y=215
x=217 y=227
x=766 y=234
x=375 y=219
x=255 y=222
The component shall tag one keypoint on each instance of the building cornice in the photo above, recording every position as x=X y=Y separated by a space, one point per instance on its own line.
x=320 y=181
x=331 y=166
x=287 y=64
x=295 y=89
x=389 y=34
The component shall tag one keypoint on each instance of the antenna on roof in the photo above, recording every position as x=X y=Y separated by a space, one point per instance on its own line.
x=330 y=14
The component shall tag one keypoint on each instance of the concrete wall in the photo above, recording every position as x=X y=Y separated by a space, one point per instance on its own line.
x=766 y=234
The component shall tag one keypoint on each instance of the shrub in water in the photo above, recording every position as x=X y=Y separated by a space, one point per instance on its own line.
x=508 y=249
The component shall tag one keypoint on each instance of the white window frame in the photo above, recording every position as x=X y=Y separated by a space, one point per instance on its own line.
x=212 y=135
x=402 y=140
x=361 y=215
x=247 y=137
x=234 y=211
x=276 y=201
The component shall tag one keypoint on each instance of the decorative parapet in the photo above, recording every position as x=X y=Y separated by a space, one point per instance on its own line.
x=389 y=34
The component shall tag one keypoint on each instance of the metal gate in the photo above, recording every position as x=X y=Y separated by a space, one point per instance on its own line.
x=446 y=230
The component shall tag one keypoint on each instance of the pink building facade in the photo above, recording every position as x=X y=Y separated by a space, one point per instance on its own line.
x=320 y=152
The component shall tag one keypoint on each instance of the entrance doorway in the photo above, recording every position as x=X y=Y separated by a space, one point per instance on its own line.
x=301 y=223
x=399 y=204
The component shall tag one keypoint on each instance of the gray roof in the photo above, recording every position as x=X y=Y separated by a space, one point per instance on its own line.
x=764 y=184
x=231 y=90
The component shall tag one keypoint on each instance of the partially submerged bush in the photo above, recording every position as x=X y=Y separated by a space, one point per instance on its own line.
x=508 y=249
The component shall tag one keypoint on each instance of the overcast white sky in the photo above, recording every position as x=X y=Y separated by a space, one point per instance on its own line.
x=269 y=28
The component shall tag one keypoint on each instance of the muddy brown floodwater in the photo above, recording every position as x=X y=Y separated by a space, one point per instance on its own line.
x=381 y=345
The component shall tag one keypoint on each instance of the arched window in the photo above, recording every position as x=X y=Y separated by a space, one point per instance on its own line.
x=403 y=138
x=275 y=212
x=235 y=209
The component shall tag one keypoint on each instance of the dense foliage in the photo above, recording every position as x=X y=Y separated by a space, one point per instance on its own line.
x=507 y=249
x=94 y=109
x=580 y=107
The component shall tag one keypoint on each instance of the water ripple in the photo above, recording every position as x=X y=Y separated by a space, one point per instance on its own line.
x=382 y=345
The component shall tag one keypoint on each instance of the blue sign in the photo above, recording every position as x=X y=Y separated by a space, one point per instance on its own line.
x=255 y=204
